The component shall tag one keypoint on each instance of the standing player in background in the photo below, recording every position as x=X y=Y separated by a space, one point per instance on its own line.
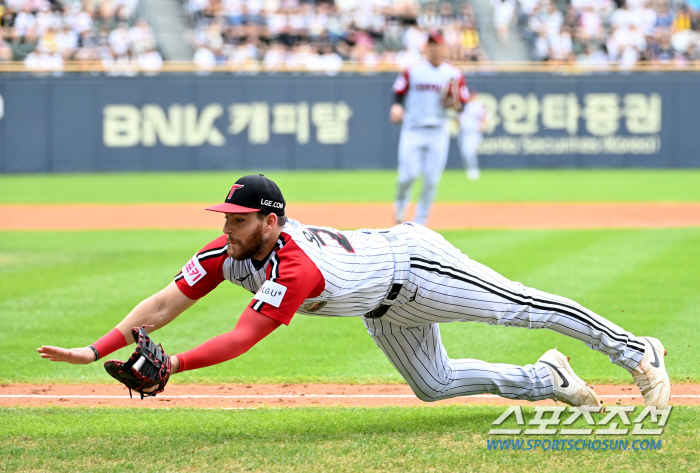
x=472 y=123
x=422 y=94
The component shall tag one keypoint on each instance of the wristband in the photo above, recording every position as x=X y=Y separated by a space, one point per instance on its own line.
x=110 y=343
x=97 y=354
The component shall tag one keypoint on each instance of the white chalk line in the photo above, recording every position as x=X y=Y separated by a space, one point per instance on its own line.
x=285 y=396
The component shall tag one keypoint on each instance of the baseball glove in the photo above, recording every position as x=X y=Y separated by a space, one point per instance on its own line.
x=450 y=94
x=148 y=366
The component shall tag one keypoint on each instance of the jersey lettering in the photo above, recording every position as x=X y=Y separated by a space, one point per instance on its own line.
x=434 y=87
x=193 y=271
x=339 y=237
x=271 y=292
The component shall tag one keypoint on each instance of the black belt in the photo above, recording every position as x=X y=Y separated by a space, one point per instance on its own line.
x=382 y=309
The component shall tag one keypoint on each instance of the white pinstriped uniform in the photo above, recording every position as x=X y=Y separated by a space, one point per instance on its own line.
x=425 y=139
x=444 y=285
x=438 y=284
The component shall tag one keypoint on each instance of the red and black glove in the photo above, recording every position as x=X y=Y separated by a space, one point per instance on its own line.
x=148 y=366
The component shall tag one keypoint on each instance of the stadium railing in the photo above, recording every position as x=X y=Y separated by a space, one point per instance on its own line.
x=348 y=67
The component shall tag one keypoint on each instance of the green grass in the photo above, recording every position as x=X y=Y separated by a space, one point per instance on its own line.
x=358 y=186
x=69 y=288
x=442 y=439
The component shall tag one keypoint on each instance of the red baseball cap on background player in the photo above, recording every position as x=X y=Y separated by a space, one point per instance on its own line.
x=436 y=37
x=253 y=193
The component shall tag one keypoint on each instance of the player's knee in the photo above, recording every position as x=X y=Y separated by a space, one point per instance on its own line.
x=426 y=397
x=427 y=393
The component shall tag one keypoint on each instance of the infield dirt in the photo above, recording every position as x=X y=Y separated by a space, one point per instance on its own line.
x=444 y=216
x=283 y=395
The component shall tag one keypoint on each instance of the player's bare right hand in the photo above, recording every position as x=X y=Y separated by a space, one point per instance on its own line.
x=76 y=356
x=396 y=113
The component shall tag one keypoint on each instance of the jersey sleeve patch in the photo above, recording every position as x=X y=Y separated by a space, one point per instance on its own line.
x=193 y=271
x=204 y=271
x=463 y=89
x=290 y=269
x=401 y=83
x=271 y=293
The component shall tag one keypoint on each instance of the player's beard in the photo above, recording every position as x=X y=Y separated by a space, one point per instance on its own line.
x=246 y=250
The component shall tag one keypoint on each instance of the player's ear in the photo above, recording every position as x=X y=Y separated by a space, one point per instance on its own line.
x=271 y=220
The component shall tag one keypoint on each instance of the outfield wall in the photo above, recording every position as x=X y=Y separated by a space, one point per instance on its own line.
x=190 y=122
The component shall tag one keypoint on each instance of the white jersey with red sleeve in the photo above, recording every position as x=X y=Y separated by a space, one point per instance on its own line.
x=423 y=86
x=474 y=113
x=312 y=270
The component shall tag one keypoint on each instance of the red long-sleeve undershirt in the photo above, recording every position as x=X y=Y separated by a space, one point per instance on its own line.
x=250 y=329
x=111 y=342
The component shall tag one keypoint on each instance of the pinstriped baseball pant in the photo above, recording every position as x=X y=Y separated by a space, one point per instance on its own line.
x=444 y=285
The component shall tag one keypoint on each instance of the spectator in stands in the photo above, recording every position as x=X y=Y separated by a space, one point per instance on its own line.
x=470 y=42
x=150 y=60
x=142 y=39
x=24 y=23
x=682 y=20
x=5 y=51
x=119 y=41
x=591 y=25
x=503 y=12
x=43 y=60
x=66 y=41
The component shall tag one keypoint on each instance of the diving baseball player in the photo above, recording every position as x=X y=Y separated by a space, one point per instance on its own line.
x=422 y=94
x=403 y=281
x=472 y=123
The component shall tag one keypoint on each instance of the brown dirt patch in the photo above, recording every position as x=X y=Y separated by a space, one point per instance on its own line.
x=283 y=395
x=444 y=216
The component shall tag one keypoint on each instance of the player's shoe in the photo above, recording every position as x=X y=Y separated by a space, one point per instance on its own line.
x=399 y=216
x=650 y=375
x=473 y=174
x=568 y=387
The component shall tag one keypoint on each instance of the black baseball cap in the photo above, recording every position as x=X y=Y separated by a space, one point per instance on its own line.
x=254 y=193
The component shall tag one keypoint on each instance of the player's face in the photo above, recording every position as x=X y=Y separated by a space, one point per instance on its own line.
x=245 y=235
x=435 y=53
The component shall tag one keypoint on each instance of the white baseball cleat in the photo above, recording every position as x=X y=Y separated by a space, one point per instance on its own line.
x=650 y=375
x=568 y=387
x=473 y=174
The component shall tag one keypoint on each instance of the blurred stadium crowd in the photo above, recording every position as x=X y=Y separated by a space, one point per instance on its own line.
x=322 y=35
x=45 y=33
x=598 y=32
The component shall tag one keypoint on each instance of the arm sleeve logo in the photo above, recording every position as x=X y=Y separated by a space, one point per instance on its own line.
x=271 y=292
x=193 y=271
